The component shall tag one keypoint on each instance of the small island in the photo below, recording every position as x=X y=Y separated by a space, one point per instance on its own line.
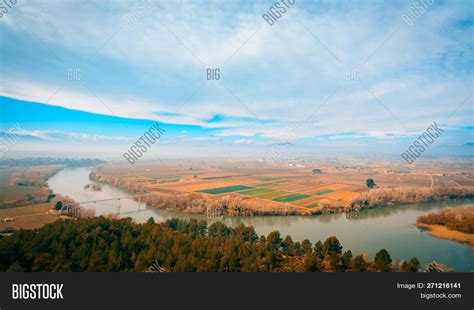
x=95 y=187
x=455 y=224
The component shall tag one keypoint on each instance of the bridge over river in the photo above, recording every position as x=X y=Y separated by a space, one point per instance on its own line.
x=73 y=209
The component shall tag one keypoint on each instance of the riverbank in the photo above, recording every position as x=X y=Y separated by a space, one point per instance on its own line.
x=442 y=232
x=392 y=196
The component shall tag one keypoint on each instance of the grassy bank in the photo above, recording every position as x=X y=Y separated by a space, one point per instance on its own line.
x=442 y=232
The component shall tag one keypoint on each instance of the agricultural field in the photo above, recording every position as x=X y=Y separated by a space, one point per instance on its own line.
x=324 y=192
x=21 y=186
x=255 y=191
x=24 y=197
x=304 y=186
x=291 y=198
x=227 y=189
x=27 y=217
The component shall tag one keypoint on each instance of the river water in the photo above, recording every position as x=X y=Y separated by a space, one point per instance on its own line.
x=391 y=228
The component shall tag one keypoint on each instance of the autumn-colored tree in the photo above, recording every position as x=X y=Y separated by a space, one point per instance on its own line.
x=359 y=264
x=382 y=261
x=413 y=265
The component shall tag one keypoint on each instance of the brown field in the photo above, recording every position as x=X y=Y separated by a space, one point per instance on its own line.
x=27 y=217
x=25 y=185
x=341 y=195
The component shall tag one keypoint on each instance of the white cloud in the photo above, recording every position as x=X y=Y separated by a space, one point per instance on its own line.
x=243 y=141
x=57 y=135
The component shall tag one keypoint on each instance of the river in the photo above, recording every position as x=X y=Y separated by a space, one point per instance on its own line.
x=391 y=228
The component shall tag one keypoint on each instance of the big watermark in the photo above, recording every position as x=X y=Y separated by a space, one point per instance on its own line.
x=10 y=138
x=277 y=10
x=141 y=146
x=420 y=145
x=415 y=10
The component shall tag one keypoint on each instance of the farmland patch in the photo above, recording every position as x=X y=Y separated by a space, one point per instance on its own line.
x=227 y=189
x=268 y=179
x=266 y=185
x=291 y=198
x=325 y=192
x=255 y=191
x=272 y=194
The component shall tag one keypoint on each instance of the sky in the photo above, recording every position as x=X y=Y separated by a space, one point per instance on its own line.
x=93 y=76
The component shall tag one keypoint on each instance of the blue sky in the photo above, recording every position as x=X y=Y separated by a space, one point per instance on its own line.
x=372 y=81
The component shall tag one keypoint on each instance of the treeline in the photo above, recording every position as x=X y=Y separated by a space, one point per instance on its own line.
x=460 y=219
x=381 y=197
x=101 y=244
x=35 y=176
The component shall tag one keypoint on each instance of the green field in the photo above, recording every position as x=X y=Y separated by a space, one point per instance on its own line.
x=256 y=191
x=266 y=184
x=291 y=198
x=268 y=179
x=324 y=192
x=311 y=206
x=272 y=194
x=222 y=177
x=227 y=189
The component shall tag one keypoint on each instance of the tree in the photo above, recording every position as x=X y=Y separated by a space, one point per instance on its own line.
x=413 y=265
x=359 y=264
x=274 y=240
x=58 y=205
x=51 y=196
x=370 y=183
x=306 y=245
x=311 y=263
x=297 y=249
x=318 y=250
x=404 y=267
x=287 y=245
x=346 y=260
x=382 y=261
x=332 y=246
